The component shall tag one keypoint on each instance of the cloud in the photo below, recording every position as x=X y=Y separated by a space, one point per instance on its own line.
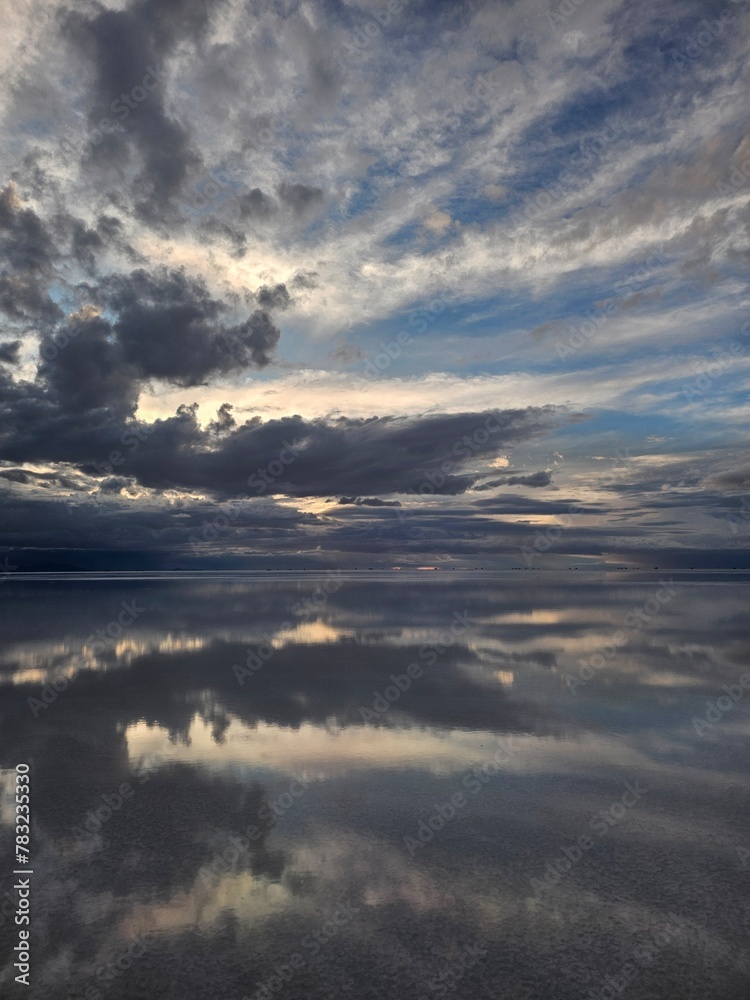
x=115 y=484
x=91 y=372
x=256 y=205
x=291 y=455
x=9 y=351
x=169 y=327
x=574 y=180
x=731 y=479
x=369 y=502
x=300 y=198
x=331 y=457
x=346 y=354
x=438 y=223
x=126 y=49
x=534 y=479
x=495 y=192
x=26 y=256
x=276 y=297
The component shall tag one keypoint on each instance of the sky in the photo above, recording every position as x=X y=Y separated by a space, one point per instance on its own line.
x=383 y=284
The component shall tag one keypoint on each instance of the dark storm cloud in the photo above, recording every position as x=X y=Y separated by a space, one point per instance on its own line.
x=224 y=420
x=9 y=351
x=163 y=324
x=30 y=245
x=127 y=47
x=27 y=251
x=25 y=242
x=214 y=231
x=252 y=342
x=257 y=93
x=43 y=479
x=305 y=279
x=256 y=205
x=31 y=179
x=511 y=503
x=300 y=198
x=347 y=457
x=731 y=479
x=369 y=502
x=273 y=297
x=33 y=252
x=88 y=523
x=87 y=244
x=15 y=475
x=115 y=484
x=44 y=421
x=90 y=373
x=534 y=479
x=82 y=421
x=169 y=327
x=24 y=297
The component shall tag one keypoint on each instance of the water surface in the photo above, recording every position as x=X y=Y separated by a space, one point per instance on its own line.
x=311 y=785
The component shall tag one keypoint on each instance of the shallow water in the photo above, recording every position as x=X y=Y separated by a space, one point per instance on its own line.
x=303 y=785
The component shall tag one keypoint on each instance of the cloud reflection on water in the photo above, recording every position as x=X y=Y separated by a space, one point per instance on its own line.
x=209 y=759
